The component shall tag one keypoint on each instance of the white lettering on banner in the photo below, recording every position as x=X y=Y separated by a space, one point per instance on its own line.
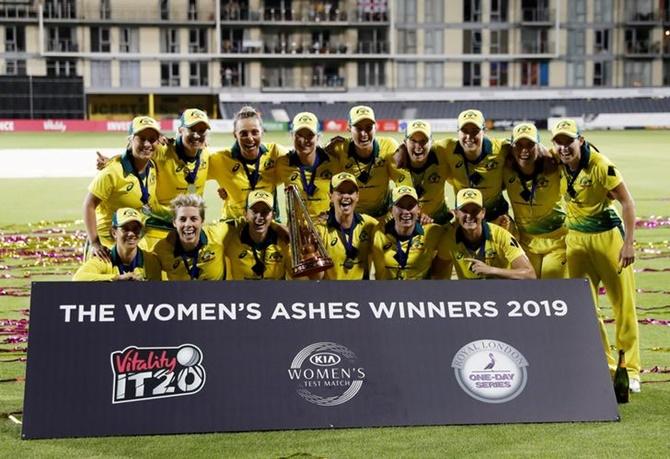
x=51 y=125
x=194 y=311
x=6 y=125
x=331 y=310
x=423 y=309
x=117 y=125
x=88 y=313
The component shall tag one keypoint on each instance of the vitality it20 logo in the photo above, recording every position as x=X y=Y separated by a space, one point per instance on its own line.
x=144 y=373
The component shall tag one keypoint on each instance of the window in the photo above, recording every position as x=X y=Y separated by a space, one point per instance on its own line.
x=370 y=40
x=534 y=41
x=100 y=40
x=577 y=9
x=602 y=74
x=129 y=40
x=576 y=42
x=472 y=42
x=472 y=11
x=192 y=9
x=232 y=74
x=371 y=74
x=666 y=70
x=601 y=41
x=433 y=41
x=165 y=9
x=277 y=76
x=639 y=10
x=576 y=74
x=101 y=74
x=535 y=10
x=499 y=42
x=197 y=41
x=407 y=74
x=198 y=74
x=406 y=10
x=498 y=10
x=130 y=74
x=15 y=67
x=434 y=11
x=498 y=74
x=170 y=74
x=407 y=41
x=637 y=73
x=638 y=41
x=59 y=9
x=169 y=40
x=61 y=67
x=602 y=11
x=105 y=9
x=15 y=39
x=61 y=39
x=472 y=74
x=534 y=73
x=231 y=40
x=434 y=75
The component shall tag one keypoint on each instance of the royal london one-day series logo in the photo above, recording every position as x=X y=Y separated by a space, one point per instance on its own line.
x=327 y=374
x=145 y=373
x=490 y=371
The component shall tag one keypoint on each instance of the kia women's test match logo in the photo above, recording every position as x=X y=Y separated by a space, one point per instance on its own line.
x=328 y=374
x=490 y=371
x=144 y=373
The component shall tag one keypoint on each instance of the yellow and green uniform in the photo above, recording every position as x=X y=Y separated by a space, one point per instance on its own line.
x=373 y=173
x=498 y=248
x=120 y=185
x=594 y=241
x=312 y=182
x=539 y=217
x=411 y=257
x=484 y=174
x=270 y=259
x=145 y=264
x=238 y=175
x=205 y=262
x=428 y=181
x=349 y=249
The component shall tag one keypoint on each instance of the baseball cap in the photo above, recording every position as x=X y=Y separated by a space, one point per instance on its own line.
x=339 y=179
x=402 y=191
x=418 y=126
x=567 y=127
x=360 y=113
x=525 y=131
x=306 y=120
x=192 y=116
x=125 y=215
x=469 y=196
x=471 y=116
x=142 y=123
x=257 y=196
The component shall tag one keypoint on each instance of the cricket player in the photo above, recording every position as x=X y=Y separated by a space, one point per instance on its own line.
x=532 y=180
x=599 y=244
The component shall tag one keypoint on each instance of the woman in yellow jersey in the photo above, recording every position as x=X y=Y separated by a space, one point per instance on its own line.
x=128 y=181
x=192 y=251
x=347 y=234
x=307 y=166
x=404 y=248
x=478 y=249
x=369 y=158
x=533 y=180
x=253 y=245
x=597 y=245
x=248 y=165
x=127 y=261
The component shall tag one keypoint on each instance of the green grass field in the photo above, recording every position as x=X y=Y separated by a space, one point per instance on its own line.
x=643 y=431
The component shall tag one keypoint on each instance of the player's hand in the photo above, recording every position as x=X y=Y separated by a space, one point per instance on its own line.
x=627 y=255
x=101 y=161
x=401 y=157
x=133 y=276
x=100 y=251
x=166 y=140
x=479 y=267
x=223 y=194
x=503 y=221
x=424 y=219
x=333 y=143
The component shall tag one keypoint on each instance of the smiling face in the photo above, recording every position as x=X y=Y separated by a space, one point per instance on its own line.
x=127 y=236
x=524 y=152
x=194 y=137
x=305 y=142
x=188 y=223
x=259 y=217
x=470 y=216
x=144 y=143
x=418 y=146
x=568 y=149
x=345 y=198
x=406 y=213
x=363 y=134
x=471 y=138
x=249 y=133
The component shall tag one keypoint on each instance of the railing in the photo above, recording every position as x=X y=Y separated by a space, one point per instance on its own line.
x=537 y=15
x=636 y=16
x=19 y=11
x=643 y=47
x=63 y=46
x=536 y=48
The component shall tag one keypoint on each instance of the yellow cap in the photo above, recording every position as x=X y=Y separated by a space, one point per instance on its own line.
x=525 y=131
x=469 y=196
x=567 y=127
x=125 y=215
x=402 y=191
x=418 y=126
x=471 y=116
x=360 y=113
x=192 y=116
x=257 y=196
x=142 y=123
x=306 y=120
x=339 y=179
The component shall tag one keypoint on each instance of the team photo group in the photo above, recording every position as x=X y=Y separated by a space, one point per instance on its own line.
x=375 y=208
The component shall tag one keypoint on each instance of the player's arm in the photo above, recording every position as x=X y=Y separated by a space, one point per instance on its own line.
x=621 y=194
x=91 y=202
x=520 y=268
x=441 y=269
x=94 y=269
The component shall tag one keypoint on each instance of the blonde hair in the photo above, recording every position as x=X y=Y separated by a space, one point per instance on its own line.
x=188 y=200
x=247 y=112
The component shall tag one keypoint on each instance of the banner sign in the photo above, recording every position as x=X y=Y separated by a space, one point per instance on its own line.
x=65 y=125
x=124 y=358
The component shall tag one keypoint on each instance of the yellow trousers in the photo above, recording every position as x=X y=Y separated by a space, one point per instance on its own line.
x=596 y=257
x=546 y=253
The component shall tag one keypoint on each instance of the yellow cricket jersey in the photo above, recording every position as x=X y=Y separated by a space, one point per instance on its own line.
x=410 y=258
x=484 y=174
x=119 y=185
x=250 y=261
x=498 y=249
x=428 y=181
x=313 y=183
x=585 y=192
x=353 y=263
x=373 y=174
x=205 y=262
x=536 y=200
x=239 y=176
x=96 y=269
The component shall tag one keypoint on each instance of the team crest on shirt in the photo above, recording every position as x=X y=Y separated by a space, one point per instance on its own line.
x=326 y=175
x=492 y=164
x=349 y=165
x=379 y=162
x=586 y=182
x=364 y=236
x=511 y=180
x=542 y=181
x=460 y=255
x=208 y=256
x=490 y=254
x=269 y=164
x=175 y=264
x=418 y=243
x=434 y=177
x=275 y=256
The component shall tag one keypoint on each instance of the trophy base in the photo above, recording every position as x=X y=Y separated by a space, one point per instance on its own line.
x=313 y=266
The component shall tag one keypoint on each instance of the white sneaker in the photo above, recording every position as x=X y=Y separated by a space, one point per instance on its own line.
x=634 y=385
